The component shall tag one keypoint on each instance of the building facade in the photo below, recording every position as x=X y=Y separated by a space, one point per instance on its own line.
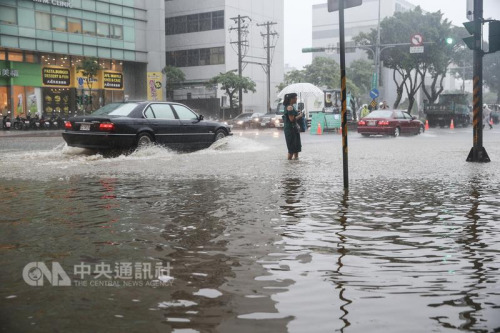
x=201 y=39
x=44 y=42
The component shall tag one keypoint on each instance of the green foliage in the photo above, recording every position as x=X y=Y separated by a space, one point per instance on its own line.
x=360 y=73
x=323 y=72
x=491 y=73
x=295 y=76
x=175 y=77
x=231 y=83
x=412 y=68
x=90 y=68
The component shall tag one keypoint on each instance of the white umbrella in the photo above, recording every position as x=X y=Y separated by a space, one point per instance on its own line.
x=302 y=89
x=309 y=94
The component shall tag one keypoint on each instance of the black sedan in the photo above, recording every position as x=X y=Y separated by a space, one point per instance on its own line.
x=132 y=124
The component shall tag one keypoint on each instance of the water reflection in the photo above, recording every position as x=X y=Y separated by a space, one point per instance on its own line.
x=293 y=193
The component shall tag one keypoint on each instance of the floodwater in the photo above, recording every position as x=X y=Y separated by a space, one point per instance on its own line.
x=252 y=242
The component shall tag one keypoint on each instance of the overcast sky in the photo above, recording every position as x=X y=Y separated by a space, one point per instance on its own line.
x=298 y=22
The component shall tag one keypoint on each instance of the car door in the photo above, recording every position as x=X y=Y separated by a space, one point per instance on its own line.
x=195 y=131
x=168 y=129
x=403 y=123
x=413 y=125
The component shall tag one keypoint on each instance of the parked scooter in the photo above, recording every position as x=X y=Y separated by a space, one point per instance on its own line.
x=6 y=121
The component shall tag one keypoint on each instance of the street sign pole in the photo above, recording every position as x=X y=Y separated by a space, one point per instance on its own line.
x=478 y=153
x=344 y=95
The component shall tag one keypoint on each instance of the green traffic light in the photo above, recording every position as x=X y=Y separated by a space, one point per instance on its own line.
x=449 y=40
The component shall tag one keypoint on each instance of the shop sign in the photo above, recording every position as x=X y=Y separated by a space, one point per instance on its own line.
x=56 y=77
x=155 y=93
x=58 y=3
x=112 y=80
x=80 y=81
x=6 y=72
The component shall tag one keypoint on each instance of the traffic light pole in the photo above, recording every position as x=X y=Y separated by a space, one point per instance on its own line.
x=478 y=153
x=344 y=95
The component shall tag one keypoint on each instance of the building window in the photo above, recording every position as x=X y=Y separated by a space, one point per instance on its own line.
x=117 y=32
x=59 y=23
x=170 y=26
x=205 y=21
x=196 y=57
x=74 y=25
x=8 y=15
x=88 y=28
x=193 y=23
x=103 y=30
x=218 y=20
x=16 y=56
x=42 y=21
x=181 y=25
x=217 y=56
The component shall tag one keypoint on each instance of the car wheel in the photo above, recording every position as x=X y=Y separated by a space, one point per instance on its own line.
x=144 y=139
x=220 y=134
x=397 y=132
x=365 y=135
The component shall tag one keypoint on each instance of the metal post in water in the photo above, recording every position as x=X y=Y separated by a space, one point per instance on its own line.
x=344 y=95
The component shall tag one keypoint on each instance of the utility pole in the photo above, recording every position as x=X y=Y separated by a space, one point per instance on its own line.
x=242 y=30
x=268 y=48
x=377 y=51
x=478 y=153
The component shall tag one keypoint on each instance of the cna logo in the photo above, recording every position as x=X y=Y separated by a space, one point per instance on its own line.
x=34 y=273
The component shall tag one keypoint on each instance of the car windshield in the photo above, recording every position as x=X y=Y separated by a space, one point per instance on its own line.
x=116 y=109
x=380 y=114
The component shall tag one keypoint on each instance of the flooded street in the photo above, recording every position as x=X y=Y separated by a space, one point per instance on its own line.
x=253 y=242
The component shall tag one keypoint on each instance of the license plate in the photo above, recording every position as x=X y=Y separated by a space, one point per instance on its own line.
x=27 y=122
x=84 y=127
x=372 y=123
x=7 y=124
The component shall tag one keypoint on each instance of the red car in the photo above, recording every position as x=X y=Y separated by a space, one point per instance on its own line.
x=390 y=122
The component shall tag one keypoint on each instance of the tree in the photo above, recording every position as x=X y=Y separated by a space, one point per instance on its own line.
x=90 y=68
x=323 y=72
x=409 y=70
x=360 y=73
x=175 y=77
x=232 y=83
x=295 y=76
x=462 y=57
x=491 y=73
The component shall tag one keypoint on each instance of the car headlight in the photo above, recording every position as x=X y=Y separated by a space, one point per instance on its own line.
x=240 y=122
x=257 y=119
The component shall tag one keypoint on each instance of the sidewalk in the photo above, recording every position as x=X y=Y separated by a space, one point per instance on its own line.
x=30 y=133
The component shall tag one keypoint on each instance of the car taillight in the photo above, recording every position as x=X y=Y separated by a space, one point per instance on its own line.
x=361 y=123
x=106 y=126
x=383 y=123
x=67 y=125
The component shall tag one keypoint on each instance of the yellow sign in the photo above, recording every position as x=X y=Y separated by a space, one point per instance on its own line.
x=80 y=81
x=154 y=80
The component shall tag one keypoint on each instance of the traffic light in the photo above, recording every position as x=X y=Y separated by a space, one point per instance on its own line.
x=494 y=39
x=471 y=41
x=449 y=40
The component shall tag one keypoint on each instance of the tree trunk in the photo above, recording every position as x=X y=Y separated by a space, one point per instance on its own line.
x=399 y=87
x=433 y=95
x=413 y=86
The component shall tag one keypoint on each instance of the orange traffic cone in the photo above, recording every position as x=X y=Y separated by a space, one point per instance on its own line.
x=319 y=131
x=427 y=125
x=452 y=125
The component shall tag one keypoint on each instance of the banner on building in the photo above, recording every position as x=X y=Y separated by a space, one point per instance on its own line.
x=80 y=80
x=56 y=77
x=154 y=84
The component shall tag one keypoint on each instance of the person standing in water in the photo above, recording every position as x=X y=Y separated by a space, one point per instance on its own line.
x=291 y=126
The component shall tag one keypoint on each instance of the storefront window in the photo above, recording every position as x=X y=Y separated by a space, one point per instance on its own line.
x=8 y=15
x=43 y=21
x=103 y=30
x=4 y=101
x=59 y=23
x=74 y=25
x=105 y=64
x=116 y=66
x=88 y=27
x=15 y=56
